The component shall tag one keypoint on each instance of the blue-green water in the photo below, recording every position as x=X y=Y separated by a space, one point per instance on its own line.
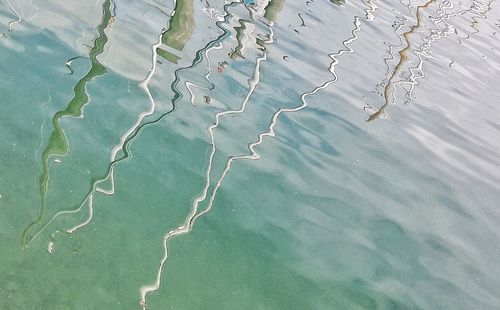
x=288 y=155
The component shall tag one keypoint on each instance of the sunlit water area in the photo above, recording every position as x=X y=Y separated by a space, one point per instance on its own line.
x=265 y=154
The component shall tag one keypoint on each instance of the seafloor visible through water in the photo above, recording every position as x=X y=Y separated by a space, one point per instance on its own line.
x=265 y=154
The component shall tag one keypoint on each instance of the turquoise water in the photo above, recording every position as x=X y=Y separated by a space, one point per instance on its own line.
x=288 y=155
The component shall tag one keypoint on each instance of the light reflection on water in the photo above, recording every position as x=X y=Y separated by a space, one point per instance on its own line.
x=145 y=133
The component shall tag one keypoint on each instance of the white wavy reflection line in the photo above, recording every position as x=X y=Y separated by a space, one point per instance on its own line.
x=389 y=88
x=407 y=5
x=425 y=51
x=110 y=175
x=189 y=84
x=192 y=215
x=357 y=22
x=144 y=85
x=87 y=221
x=19 y=19
x=35 y=7
x=88 y=200
x=479 y=13
x=444 y=30
x=274 y=120
x=391 y=53
x=392 y=56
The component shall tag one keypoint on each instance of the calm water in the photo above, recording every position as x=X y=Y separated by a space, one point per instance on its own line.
x=287 y=154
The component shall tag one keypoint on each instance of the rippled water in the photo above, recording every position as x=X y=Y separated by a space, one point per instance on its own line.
x=287 y=154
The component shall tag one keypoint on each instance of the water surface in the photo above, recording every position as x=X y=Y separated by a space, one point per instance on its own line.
x=252 y=155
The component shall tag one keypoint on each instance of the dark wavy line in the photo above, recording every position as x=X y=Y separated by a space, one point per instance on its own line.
x=58 y=144
x=177 y=96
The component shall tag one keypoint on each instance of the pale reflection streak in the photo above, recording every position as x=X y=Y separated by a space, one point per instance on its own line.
x=88 y=200
x=189 y=85
x=391 y=53
x=193 y=213
x=35 y=7
x=126 y=137
x=481 y=15
x=402 y=23
x=444 y=30
x=425 y=50
x=144 y=85
x=389 y=88
x=274 y=119
x=58 y=144
x=177 y=95
x=407 y=5
x=19 y=19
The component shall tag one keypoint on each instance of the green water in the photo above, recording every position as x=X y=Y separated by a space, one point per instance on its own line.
x=274 y=155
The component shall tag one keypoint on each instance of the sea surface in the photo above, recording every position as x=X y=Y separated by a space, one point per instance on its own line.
x=266 y=154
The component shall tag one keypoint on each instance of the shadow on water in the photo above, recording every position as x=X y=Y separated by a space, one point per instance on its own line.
x=240 y=32
x=58 y=144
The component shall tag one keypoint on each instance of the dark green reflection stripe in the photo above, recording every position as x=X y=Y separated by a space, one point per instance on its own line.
x=58 y=144
x=181 y=29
